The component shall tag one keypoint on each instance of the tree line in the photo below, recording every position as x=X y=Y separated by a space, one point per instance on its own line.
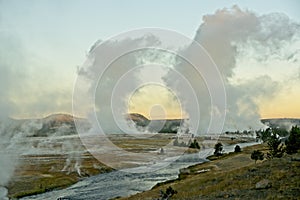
x=277 y=144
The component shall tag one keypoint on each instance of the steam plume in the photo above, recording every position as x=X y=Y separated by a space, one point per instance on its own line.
x=227 y=35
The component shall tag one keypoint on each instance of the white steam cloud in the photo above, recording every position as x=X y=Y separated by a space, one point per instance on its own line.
x=107 y=79
x=11 y=57
x=227 y=35
x=15 y=134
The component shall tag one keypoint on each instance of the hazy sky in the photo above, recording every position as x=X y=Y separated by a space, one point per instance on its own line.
x=43 y=42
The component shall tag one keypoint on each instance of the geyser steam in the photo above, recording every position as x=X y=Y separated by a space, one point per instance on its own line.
x=203 y=78
x=11 y=57
x=228 y=35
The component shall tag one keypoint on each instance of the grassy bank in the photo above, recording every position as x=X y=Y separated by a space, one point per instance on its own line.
x=234 y=176
x=40 y=174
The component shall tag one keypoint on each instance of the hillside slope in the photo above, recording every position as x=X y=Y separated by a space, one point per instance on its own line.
x=235 y=177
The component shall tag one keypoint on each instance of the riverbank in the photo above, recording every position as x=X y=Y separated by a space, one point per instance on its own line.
x=46 y=169
x=234 y=176
x=43 y=173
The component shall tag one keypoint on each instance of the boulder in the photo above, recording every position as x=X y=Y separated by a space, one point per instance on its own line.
x=185 y=171
x=263 y=184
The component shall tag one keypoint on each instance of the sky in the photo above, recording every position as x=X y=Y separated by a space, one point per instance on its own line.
x=45 y=41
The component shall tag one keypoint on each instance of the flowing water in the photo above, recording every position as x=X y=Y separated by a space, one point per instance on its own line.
x=120 y=183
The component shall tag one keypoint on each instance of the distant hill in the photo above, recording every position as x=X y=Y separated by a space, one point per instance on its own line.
x=52 y=125
x=284 y=123
x=157 y=125
x=64 y=124
x=59 y=124
x=165 y=126
x=138 y=119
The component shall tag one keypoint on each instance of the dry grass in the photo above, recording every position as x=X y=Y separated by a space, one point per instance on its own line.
x=142 y=144
x=234 y=177
x=38 y=175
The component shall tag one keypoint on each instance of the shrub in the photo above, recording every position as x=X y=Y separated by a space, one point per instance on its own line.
x=275 y=146
x=218 y=149
x=194 y=145
x=168 y=194
x=257 y=155
x=264 y=134
x=237 y=149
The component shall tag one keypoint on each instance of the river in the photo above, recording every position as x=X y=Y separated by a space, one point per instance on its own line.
x=120 y=183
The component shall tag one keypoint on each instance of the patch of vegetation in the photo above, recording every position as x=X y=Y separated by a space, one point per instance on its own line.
x=257 y=155
x=138 y=145
x=236 y=177
x=237 y=149
x=264 y=135
x=191 y=144
x=293 y=142
x=276 y=148
x=218 y=149
x=38 y=176
x=194 y=145
x=167 y=194
x=45 y=185
x=219 y=157
x=275 y=144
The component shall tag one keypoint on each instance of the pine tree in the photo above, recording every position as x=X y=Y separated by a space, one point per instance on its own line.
x=293 y=141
